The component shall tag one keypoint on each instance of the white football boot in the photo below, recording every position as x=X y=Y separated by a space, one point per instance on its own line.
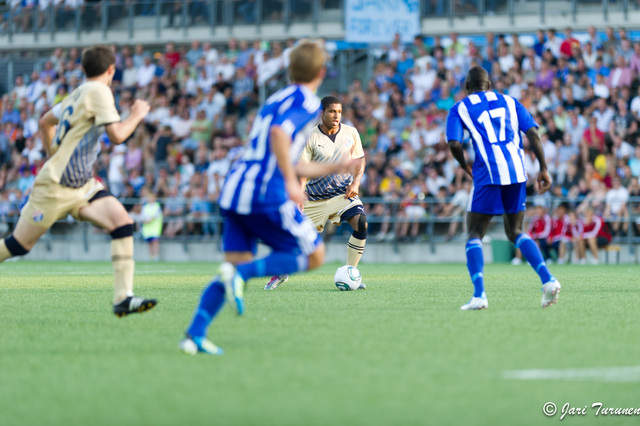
x=550 y=291
x=476 y=303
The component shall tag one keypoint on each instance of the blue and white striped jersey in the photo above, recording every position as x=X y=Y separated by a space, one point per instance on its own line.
x=254 y=183
x=494 y=122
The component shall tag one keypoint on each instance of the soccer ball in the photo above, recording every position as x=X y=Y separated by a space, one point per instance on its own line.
x=347 y=278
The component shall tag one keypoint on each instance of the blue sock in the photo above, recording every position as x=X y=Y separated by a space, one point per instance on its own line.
x=211 y=301
x=531 y=252
x=475 y=264
x=277 y=263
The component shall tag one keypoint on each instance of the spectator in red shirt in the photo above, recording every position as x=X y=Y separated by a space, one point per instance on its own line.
x=567 y=46
x=171 y=55
x=540 y=228
x=556 y=238
x=593 y=143
x=595 y=233
x=573 y=235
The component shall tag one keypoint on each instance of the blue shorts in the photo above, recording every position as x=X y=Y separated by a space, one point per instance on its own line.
x=498 y=199
x=285 y=230
x=151 y=239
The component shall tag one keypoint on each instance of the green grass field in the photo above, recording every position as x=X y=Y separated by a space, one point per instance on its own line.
x=399 y=353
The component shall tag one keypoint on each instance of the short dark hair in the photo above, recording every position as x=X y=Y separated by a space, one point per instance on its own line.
x=97 y=59
x=477 y=80
x=329 y=100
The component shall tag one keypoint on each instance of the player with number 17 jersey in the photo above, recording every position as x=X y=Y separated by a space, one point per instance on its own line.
x=494 y=122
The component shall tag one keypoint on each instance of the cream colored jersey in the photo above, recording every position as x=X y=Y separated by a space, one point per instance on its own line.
x=323 y=148
x=75 y=146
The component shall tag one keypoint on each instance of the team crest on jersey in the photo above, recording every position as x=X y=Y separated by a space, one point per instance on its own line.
x=348 y=143
x=37 y=216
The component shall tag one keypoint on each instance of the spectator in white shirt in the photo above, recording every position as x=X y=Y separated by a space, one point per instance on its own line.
x=146 y=72
x=603 y=114
x=589 y=55
x=29 y=124
x=129 y=75
x=181 y=125
x=203 y=81
x=600 y=89
x=224 y=69
x=218 y=168
x=35 y=88
x=20 y=89
x=50 y=88
x=553 y=43
x=506 y=59
x=434 y=182
x=518 y=86
x=423 y=81
x=615 y=211
x=209 y=53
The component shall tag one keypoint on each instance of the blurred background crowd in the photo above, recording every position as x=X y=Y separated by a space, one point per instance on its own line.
x=583 y=92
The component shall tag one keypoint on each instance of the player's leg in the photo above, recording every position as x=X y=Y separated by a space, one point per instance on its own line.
x=43 y=208
x=22 y=240
x=358 y=239
x=106 y=212
x=513 y=198
x=484 y=203
x=292 y=237
x=239 y=246
x=317 y=212
x=530 y=250
x=477 y=224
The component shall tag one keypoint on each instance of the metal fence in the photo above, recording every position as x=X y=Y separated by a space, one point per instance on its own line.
x=207 y=227
x=129 y=16
x=541 y=8
x=106 y=15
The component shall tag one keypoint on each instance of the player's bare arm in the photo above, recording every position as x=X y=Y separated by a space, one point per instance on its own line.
x=354 y=187
x=120 y=132
x=314 y=169
x=544 y=180
x=48 y=124
x=458 y=153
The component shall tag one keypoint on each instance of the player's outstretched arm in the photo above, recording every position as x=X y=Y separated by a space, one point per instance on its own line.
x=120 y=131
x=313 y=169
x=47 y=125
x=544 y=180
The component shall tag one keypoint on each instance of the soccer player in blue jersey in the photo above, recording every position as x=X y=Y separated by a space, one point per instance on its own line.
x=260 y=196
x=494 y=122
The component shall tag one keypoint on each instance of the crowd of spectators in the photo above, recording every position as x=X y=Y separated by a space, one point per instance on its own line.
x=45 y=15
x=584 y=93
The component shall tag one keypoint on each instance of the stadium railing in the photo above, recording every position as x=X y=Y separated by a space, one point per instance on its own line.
x=133 y=15
x=106 y=15
x=432 y=227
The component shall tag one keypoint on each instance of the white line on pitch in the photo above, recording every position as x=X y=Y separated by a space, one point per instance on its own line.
x=599 y=374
